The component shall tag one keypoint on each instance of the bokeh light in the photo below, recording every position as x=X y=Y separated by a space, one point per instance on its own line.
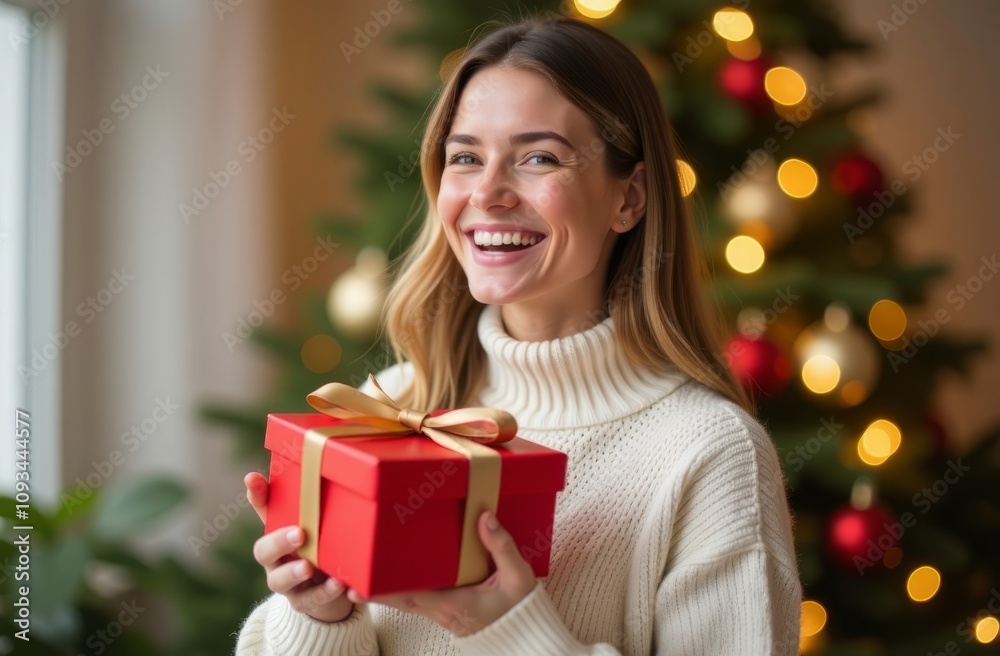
x=732 y=24
x=813 y=618
x=687 y=176
x=820 y=374
x=320 y=353
x=596 y=8
x=797 y=178
x=879 y=441
x=744 y=254
x=987 y=630
x=887 y=320
x=784 y=86
x=747 y=50
x=923 y=583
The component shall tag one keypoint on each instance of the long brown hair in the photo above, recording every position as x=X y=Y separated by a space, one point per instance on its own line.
x=654 y=288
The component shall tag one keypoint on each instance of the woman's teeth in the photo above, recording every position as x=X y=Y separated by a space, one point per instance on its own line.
x=485 y=238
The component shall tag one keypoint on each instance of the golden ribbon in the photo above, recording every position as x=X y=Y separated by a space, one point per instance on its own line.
x=463 y=431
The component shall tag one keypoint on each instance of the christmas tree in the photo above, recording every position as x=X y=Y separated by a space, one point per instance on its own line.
x=897 y=538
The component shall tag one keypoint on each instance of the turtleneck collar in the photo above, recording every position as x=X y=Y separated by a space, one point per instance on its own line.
x=580 y=380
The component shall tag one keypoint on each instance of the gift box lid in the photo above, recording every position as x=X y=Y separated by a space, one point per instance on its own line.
x=388 y=466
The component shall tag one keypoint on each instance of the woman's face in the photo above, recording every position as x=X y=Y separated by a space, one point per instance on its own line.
x=526 y=201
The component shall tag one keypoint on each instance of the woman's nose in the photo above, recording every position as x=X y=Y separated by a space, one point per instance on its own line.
x=493 y=190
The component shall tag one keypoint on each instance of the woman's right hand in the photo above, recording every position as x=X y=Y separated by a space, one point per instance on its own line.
x=307 y=590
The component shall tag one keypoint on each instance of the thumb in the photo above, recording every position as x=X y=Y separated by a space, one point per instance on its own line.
x=257 y=493
x=503 y=549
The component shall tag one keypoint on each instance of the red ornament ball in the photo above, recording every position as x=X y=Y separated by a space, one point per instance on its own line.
x=859 y=540
x=856 y=175
x=759 y=364
x=743 y=81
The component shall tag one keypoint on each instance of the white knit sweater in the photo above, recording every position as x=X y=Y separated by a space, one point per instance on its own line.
x=672 y=536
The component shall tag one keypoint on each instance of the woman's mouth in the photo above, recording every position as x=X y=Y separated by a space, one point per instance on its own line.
x=505 y=242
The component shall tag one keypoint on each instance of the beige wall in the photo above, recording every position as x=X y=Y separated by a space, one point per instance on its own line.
x=940 y=69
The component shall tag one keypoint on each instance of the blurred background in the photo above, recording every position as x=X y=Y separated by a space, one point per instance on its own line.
x=199 y=199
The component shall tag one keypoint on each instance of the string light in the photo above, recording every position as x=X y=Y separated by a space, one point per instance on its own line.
x=732 y=24
x=987 y=630
x=596 y=9
x=797 y=178
x=745 y=254
x=820 y=374
x=923 y=583
x=813 y=618
x=784 y=85
x=879 y=441
x=687 y=176
x=887 y=320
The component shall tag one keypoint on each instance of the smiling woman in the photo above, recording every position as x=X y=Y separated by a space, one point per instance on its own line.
x=555 y=211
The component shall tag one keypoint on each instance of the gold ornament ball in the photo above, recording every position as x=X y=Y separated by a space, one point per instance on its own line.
x=755 y=206
x=355 y=301
x=838 y=361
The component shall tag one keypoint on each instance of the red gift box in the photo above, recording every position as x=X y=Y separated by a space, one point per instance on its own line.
x=391 y=508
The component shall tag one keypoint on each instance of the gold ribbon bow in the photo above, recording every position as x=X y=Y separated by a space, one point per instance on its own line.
x=463 y=431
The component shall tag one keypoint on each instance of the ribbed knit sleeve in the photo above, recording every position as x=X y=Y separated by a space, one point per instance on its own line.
x=730 y=585
x=274 y=628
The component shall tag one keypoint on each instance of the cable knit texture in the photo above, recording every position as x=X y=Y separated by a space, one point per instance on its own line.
x=672 y=536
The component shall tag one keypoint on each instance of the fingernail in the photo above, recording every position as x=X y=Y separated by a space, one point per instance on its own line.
x=332 y=586
x=294 y=536
x=301 y=568
x=492 y=523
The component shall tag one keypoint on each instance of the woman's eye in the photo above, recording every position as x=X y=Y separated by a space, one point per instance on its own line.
x=461 y=159
x=541 y=159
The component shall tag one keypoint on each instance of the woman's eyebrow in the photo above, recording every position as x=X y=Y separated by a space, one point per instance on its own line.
x=515 y=139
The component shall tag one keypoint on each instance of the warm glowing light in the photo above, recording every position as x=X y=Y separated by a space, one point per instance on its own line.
x=596 y=8
x=987 y=630
x=747 y=50
x=821 y=373
x=745 y=254
x=687 y=176
x=813 y=618
x=784 y=86
x=797 y=178
x=320 y=353
x=923 y=583
x=732 y=24
x=853 y=392
x=879 y=441
x=887 y=320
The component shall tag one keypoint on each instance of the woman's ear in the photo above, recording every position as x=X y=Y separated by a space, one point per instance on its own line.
x=633 y=199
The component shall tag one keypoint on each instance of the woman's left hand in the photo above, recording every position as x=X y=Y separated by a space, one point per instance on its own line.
x=469 y=608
